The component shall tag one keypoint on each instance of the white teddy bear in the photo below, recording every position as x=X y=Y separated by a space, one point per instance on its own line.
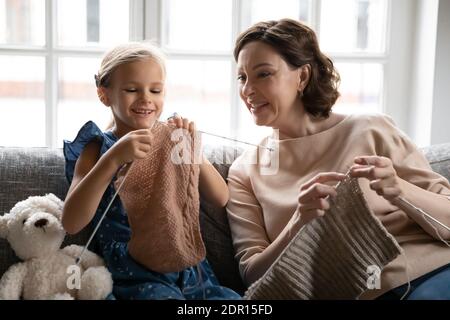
x=34 y=230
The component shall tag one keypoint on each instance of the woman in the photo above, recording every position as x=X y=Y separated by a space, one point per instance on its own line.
x=288 y=84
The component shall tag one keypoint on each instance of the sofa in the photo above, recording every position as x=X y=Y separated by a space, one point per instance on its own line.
x=35 y=171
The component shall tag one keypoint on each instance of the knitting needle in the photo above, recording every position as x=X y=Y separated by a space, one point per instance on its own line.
x=231 y=139
x=410 y=205
x=78 y=259
x=235 y=140
x=401 y=199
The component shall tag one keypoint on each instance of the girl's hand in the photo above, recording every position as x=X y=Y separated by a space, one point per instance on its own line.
x=134 y=145
x=180 y=122
x=312 y=200
x=381 y=173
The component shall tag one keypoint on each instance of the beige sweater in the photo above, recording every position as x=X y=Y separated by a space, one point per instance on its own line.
x=261 y=205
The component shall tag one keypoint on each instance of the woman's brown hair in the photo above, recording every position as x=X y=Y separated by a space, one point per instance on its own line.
x=298 y=45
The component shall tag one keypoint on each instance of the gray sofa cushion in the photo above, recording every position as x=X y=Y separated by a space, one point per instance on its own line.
x=28 y=172
x=439 y=158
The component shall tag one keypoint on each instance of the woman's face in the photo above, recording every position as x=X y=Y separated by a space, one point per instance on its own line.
x=267 y=84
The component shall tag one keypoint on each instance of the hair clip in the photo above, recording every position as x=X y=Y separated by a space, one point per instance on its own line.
x=97 y=80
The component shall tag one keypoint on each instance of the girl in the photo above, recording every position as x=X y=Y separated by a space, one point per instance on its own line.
x=131 y=81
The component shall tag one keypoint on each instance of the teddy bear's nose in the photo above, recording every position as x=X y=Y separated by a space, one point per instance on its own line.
x=40 y=223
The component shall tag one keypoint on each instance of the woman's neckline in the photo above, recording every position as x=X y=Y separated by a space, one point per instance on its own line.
x=326 y=131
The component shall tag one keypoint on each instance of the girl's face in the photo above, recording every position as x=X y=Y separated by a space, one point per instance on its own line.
x=136 y=95
x=267 y=84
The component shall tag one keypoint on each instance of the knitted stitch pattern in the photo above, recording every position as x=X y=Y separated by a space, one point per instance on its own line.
x=330 y=256
x=161 y=199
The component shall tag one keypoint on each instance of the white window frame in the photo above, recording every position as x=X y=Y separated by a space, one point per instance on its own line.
x=147 y=17
x=381 y=58
x=155 y=13
x=52 y=53
x=393 y=59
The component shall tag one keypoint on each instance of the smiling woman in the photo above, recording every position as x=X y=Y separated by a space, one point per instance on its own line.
x=288 y=84
x=276 y=73
x=268 y=85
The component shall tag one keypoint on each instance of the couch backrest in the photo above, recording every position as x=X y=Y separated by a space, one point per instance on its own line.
x=439 y=157
x=28 y=172
x=35 y=171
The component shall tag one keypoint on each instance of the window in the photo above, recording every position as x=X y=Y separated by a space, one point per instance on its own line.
x=50 y=50
x=198 y=36
x=356 y=40
x=49 y=53
x=198 y=71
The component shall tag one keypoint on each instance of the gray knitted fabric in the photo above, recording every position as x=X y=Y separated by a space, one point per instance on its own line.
x=329 y=257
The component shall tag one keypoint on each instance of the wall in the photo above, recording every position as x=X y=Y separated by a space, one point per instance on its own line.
x=422 y=76
x=440 y=123
x=429 y=111
x=398 y=65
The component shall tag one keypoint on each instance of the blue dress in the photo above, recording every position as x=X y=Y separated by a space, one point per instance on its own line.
x=132 y=280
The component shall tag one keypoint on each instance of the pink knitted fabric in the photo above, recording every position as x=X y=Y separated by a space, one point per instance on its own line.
x=161 y=199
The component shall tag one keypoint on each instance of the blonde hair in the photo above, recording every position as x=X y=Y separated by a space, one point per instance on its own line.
x=126 y=53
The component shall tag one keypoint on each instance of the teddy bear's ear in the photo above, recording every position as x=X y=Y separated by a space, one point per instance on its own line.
x=54 y=199
x=3 y=225
x=55 y=204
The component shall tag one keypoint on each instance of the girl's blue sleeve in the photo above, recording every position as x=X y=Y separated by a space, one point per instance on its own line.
x=72 y=150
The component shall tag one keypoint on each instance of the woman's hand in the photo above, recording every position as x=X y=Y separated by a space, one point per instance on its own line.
x=313 y=198
x=381 y=173
x=134 y=145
